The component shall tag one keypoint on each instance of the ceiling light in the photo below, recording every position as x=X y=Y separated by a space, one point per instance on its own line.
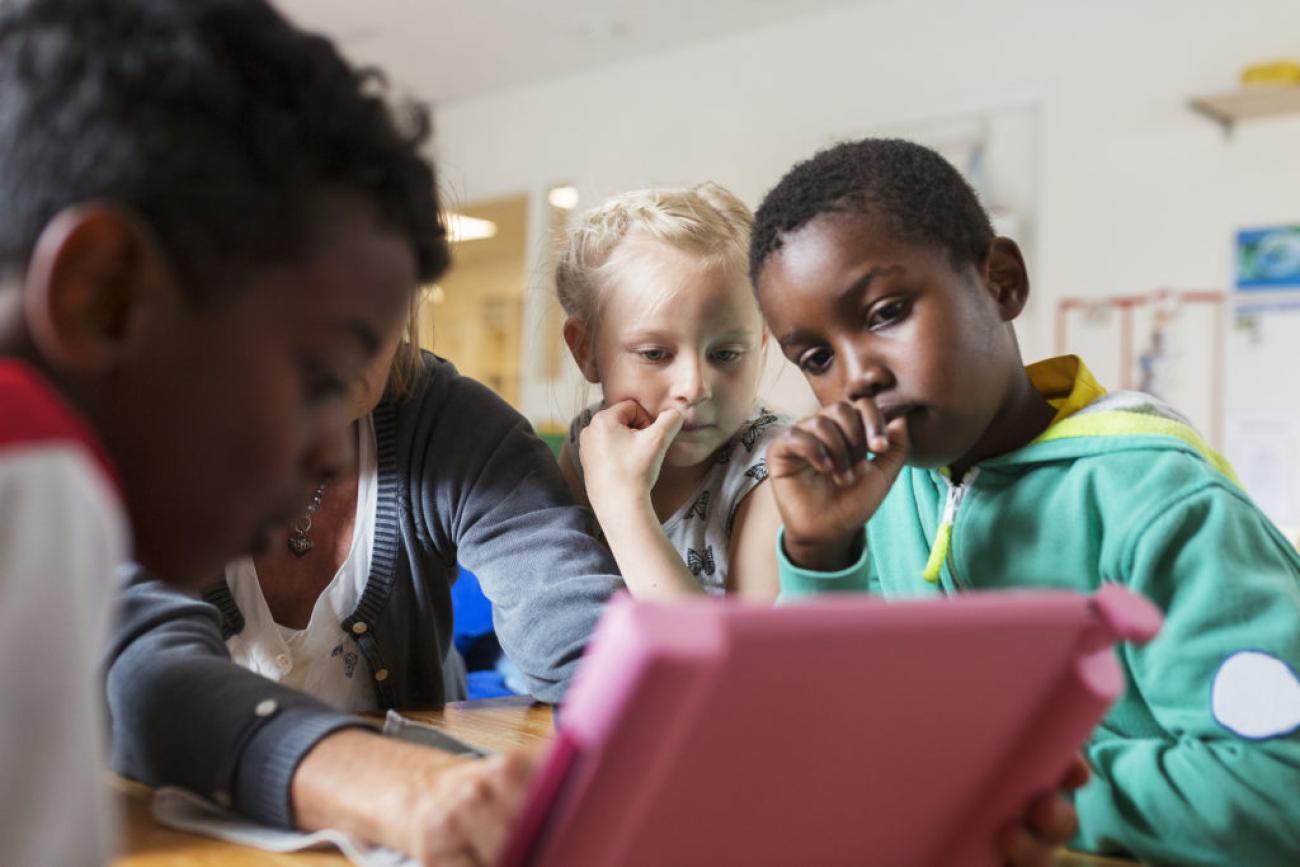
x=565 y=198
x=463 y=228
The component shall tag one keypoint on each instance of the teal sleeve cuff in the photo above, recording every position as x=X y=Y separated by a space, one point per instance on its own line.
x=797 y=581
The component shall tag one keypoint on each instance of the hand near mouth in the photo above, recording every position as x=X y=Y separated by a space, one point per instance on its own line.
x=826 y=487
x=623 y=451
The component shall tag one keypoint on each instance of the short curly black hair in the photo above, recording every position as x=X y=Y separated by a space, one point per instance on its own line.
x=217 y=122
x=918 y=193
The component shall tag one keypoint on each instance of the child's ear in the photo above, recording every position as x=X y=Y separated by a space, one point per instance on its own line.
x=1006 y=277
x=86 y=287
x=578 y=337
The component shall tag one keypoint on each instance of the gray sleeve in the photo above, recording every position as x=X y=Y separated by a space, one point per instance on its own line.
x=184 y=714
x=514 y=524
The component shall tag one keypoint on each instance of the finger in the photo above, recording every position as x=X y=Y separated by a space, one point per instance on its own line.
x=504 y=786
x=899 y=435
x=658 y=438
x=816 y=437
x=445 y=843
x=1077 y=774
x=873 y=421
x=512 y=781
x=1053 y=820
x=666 y=426
x=451 y=859
x=826 y=428
x=889 y=462
x=488 y=836
x=625 y=413
x=643 y=417
x=796 y=449
x=478 y=814
x=855 y=436
x=852 y=427
x=1020 y=848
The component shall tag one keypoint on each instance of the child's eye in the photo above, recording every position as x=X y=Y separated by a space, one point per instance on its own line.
x=319 y=385
x=815 y=361
x=652 y=355
x=888 y=313
x=726 y=356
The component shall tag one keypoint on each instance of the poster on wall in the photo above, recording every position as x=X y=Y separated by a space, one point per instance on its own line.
x=1261 y=410
x=1268 y=258
x=1262 y=449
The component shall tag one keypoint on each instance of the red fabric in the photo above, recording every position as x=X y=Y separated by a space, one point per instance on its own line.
x=32 y=412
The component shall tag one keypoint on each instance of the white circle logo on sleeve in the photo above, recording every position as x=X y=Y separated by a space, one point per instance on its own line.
x=1256 y=695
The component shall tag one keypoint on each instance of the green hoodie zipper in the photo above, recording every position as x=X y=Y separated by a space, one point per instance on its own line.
x=943 y=538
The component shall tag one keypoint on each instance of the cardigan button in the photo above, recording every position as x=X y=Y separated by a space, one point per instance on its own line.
x=266 y=707
x=359 y=628
x=381 y=675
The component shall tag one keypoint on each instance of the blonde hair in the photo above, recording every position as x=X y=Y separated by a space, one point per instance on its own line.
x=408 y=362
x=704 y=220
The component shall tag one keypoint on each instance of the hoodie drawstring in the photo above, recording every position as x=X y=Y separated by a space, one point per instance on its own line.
x=943 y=538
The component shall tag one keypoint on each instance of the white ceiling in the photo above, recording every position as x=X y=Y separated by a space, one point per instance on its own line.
x=451 y=49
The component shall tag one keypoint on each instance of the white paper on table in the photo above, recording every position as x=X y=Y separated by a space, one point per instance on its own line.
x=186 y=811
x=404 y=729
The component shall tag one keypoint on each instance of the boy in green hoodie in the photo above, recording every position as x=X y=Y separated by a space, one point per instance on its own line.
x=880 y=275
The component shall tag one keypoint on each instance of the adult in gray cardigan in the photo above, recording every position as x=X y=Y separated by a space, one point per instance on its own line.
x=247 y=695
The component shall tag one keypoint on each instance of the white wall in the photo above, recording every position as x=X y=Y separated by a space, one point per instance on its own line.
x=1134 y=191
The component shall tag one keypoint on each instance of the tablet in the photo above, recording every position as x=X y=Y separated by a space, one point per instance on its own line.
x=846 y=730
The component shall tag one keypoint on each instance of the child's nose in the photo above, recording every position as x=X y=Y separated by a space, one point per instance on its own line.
x=867 y=375
x=691 y=386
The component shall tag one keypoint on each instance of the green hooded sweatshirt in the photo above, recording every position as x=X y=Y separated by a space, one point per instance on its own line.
x=1199 y=762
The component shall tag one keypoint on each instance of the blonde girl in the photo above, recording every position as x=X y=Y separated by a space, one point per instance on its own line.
x=660 y=313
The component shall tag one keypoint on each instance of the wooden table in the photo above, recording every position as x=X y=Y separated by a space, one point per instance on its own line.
x=497 y=723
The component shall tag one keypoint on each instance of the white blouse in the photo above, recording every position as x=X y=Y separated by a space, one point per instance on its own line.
x=322 y=660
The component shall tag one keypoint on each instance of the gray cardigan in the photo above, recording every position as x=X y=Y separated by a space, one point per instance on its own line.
x=462 y=477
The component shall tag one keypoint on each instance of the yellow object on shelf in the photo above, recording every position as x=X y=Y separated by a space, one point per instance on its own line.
x=1276 y=72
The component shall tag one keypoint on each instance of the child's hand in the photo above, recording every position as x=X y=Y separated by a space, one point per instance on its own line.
x=824 y=486
x=623 y=450
x=1048 y=824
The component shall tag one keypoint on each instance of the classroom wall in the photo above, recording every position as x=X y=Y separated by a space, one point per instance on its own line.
x=476 y=324
x=1135 y=192
x=1132 y=191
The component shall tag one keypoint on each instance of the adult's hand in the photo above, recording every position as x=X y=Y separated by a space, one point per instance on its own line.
x=443 y=810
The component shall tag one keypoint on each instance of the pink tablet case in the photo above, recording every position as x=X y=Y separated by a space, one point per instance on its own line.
x=847 y=730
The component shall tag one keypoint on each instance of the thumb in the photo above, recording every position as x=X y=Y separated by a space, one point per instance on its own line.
x=659 y=435
x=666 y=426
x=1077 y=774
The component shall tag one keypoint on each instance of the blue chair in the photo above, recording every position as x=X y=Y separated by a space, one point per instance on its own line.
x=475 y=639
